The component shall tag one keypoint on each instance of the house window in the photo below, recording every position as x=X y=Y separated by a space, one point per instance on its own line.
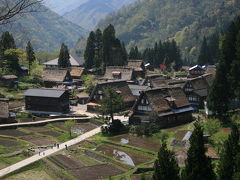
x=100 y=92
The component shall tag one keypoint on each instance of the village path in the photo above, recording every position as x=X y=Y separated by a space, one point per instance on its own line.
x=48 y=152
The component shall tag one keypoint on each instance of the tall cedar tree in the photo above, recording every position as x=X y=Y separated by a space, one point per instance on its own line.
x=228 y=159
x=89 y=53
x=134 y=53
x=30 y=55
x=166 y=166
x=112 y=102
x=204 y=56
x=236 y=175
x=198 y=165
x=11 y=61
x=64 y=58
x=108 y=41
x=98 y=59
x=227 y=74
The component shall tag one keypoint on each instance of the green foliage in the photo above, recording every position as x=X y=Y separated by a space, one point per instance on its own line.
x=187 y=21
x=144 y=130
x=212 y=126
x=115 y=128
x=89 y=82
x=198 y=165
x=11 y=62
x=204 y=57
x=7 y=42
x=227 y=75
x=46 y=30
x=64 y=57
x=112 y=102
x=69 y=124
x=90 y=51
x=229 y=157
x=30 y=55
x=165 y=166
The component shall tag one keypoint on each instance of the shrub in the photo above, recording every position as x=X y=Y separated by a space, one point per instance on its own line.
x=115 y=128
x=212 y=126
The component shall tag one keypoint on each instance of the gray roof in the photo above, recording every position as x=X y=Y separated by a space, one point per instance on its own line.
x=75 y=61
x=136 y=89
x=53 y=93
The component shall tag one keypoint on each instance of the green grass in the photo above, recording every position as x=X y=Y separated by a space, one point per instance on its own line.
x=66 y=137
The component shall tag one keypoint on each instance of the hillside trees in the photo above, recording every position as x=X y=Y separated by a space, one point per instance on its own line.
x=64 y=58
x=227 y=75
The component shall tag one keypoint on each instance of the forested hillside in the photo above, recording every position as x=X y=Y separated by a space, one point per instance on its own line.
x=187 y=21
x=45 y=29
x=88 y=14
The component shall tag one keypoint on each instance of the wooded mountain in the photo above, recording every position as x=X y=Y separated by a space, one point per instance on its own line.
x=187 y=21
x=88 y=14
x=45 y=29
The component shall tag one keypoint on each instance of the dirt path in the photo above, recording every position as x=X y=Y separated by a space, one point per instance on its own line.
x=49 y=152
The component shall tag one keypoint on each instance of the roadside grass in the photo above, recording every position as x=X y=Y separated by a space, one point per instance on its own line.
x=66 y=137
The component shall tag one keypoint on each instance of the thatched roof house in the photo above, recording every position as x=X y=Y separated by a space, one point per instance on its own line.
x=54 y=76
x=120 y=86
x=138 y=67
x=118 y=73
x=163 y=106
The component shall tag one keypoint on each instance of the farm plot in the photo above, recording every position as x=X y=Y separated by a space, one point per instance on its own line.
x=95 y=172
x=125 y=156
x=8 y=143
x=68 y=162
x=51 y=133
x=82 y=128
x=39 y=140
x=149 y=144
x=13 y=133
x=37 y=128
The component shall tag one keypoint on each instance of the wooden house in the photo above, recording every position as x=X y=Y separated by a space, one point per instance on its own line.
x=56 y=76
x=196 y=89
x=5 y=115
x=76 y=74
x=82 y=98
x=137 y=89
x=119 y=73
x=120 y=86
x=47 y=101
x=9 y=80
x=74 y=61
x=155 y=81
x=138 y=68
x=163 y=106
x=196 y=71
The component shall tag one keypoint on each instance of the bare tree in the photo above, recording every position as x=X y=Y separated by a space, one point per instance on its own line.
x=10 y=9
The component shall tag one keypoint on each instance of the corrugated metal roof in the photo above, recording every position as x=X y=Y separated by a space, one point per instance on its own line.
x=53 y=93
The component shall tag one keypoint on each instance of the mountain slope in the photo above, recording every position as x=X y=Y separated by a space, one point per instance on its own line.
x=45 y=29
x=88 y=14
x=63 y=6
x=187 y=21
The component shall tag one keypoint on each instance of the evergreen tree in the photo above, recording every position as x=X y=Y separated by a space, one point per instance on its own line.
x=30 y=55
x=166 y=166
x=112 y=102
x=98 y=48
x=7 y=42
x=11 y=62
x=108 y=42
x=198 y=165
x=124 y=54
x=228 y=159
x=204 y=56
x=64 y=57
x=89 y=53
x=236 y=175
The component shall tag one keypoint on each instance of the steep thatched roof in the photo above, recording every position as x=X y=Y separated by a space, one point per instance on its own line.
x=166 y=99
x=120 y=86
x=202 y=82
x=55 y=74
x=125 y=73
x=77 y=71
x=137 y=65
